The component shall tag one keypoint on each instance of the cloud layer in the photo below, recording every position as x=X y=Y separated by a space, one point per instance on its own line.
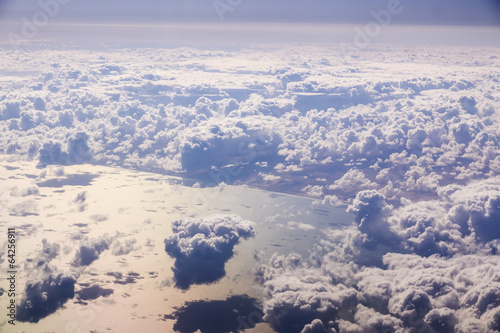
x=428 y=266
x=407 y=139
x=228 y=116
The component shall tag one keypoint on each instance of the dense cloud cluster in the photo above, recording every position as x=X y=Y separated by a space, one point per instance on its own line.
x=198 y=112
x=427 y=266
x=77 y=151
x=202 y=246
x=408 y=141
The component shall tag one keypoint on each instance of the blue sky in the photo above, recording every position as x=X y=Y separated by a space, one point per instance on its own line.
x=457 y=12
x=155 y=23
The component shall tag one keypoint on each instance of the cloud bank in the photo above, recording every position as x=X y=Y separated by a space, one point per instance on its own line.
x=200 y=114
x=427 y=266
x=407 y=139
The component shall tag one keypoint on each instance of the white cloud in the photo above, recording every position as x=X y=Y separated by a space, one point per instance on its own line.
x=89 y=250
x=44 y=296
x=25 y=208
x=411 y=144
x=202 y=246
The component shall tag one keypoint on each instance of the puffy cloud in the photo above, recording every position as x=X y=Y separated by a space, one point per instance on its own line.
x=119 y=248
x=43 y=297
x=287 y=116
x=432 y=294
x=90 y=250
x=440 y=275
x=202 y=246
x=441 y=320
x=77 y=151
x=92 y=292
x=25 y=208
x=299 y=297
x=99 y=217
x=316 y=326
x=121 y=278
x=313 y=190
x=353 y=181
x=24 y=192
x=371 y=212
x=371 y=321
x=49 y=251
x=413 y=153
x=80 y=201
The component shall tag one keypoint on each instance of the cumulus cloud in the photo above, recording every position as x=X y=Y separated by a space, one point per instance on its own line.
x=124 y=247
x=24 y=192
x=202 y=246
x=413 y=154
x=44 y=296
x=272 y=118
x=25 y=208
x=353 y=181
x=77 y=151
x=92 y=292
x=371 y=213
x=431 y=294
x=80 y=201
x=49 y=251
x=89 y=250
x=425 y=266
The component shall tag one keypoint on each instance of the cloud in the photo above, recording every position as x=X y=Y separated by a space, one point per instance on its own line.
x=25 y=208
x=365 y=129
x=70 y=180
x=435 y=294
x=80 y=201
x=202 y=246
x=123 y=279
x=31 y=190
x=43 y=297
x=353 y=181
x=426 y=265
x=371 y=212
x=49 y=251
x=413 y=154
x=77 y=151
x=90 y=250
x=119 y=248
x=99 y=217
x=299 y=225
x=300 y=296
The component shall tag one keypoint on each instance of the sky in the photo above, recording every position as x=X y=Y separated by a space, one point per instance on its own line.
x=170 y=23
x=457 y=12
